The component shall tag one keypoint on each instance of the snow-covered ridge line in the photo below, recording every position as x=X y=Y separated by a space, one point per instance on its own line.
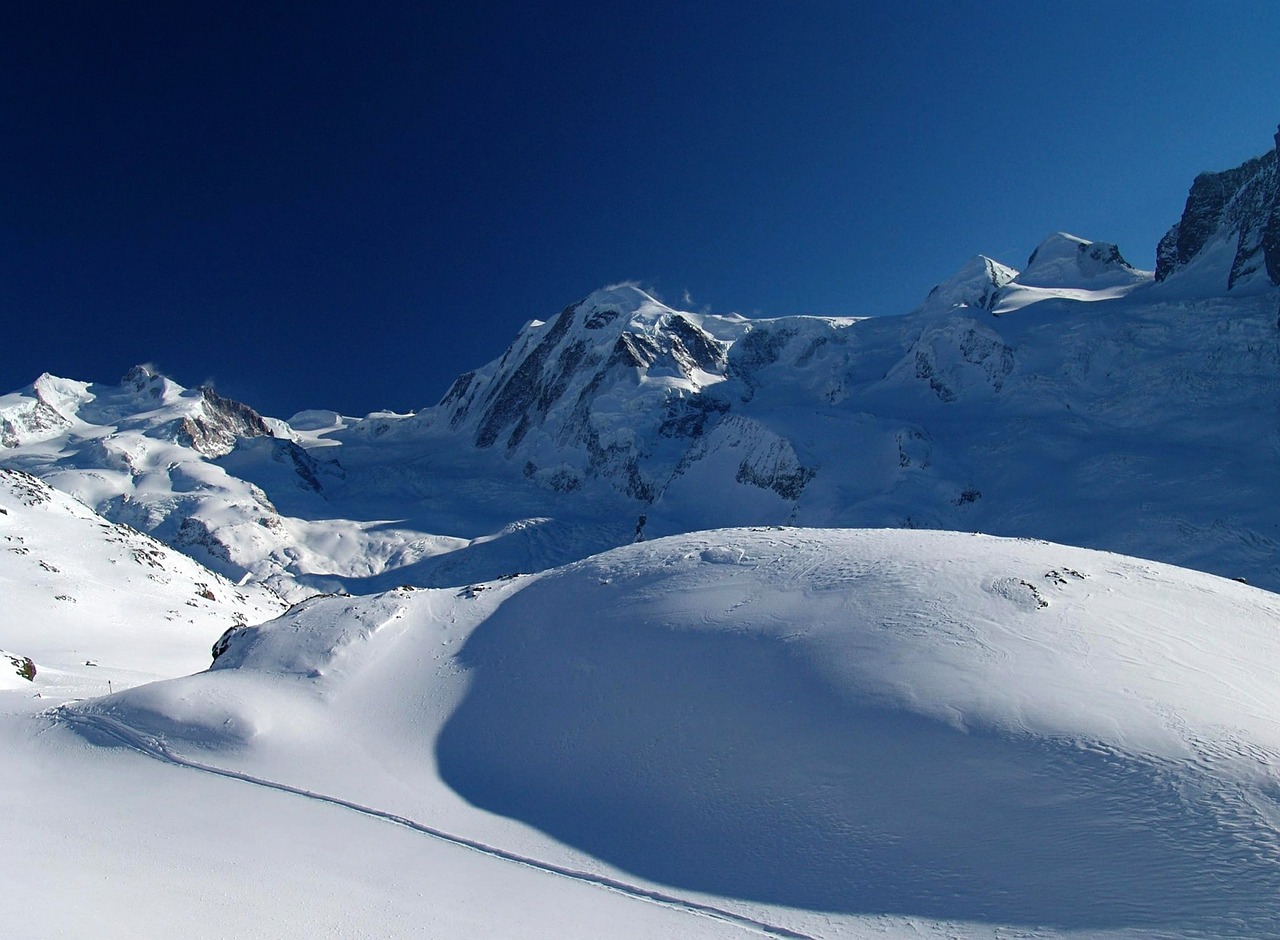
x=1040 y=402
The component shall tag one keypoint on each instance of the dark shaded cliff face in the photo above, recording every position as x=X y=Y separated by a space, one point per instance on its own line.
x=1241 y=203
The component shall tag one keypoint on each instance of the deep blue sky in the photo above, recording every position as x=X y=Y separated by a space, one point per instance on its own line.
x=346 y=205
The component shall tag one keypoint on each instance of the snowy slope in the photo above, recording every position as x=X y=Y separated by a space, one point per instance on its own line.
x=830 y=732
x=166 y=460
x=89 y=601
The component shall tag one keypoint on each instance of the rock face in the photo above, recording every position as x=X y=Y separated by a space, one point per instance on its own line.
x=22 y=666
x=599 y=390
x=1237 y=210
x=214 y=429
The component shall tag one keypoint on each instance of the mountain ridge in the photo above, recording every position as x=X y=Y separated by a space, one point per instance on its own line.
x=622 y=407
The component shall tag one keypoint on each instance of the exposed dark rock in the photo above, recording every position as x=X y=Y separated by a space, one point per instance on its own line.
x=788 y=484
x=146 y=381
x=221 y=422
x=688 y=417
x=303 y=464
x=761 y=347
x=223 y=643
x=23 y=665
x=601 y=318
x=1244 y=203
x=194 y=532
x=517 y=395
x=634 y=350
x=31 y=490
x=700 y=348
x=456 y=398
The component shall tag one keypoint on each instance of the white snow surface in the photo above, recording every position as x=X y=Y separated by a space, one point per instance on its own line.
x=78 y=591
x=794 y=732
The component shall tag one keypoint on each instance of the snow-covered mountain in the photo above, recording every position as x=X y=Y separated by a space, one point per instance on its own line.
x=830 y=721
x=1077 y=399
x=1229 y=233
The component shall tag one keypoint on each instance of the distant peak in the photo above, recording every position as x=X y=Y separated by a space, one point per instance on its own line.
x=143 y=376
x=145 y=379
x=974 y=285
x=140 y=373
x=1066 y=260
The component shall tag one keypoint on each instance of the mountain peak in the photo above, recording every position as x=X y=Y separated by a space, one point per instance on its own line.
x=1064 y=260
x=976 y=285
x=145 y=381
x=627 y=297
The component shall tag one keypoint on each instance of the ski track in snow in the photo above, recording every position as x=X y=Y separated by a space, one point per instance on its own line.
x=156 y=748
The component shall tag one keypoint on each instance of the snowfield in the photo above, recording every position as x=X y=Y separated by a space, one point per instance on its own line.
x=798 y=732
x=675 y=624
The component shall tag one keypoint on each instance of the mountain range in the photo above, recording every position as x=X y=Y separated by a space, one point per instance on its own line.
x=669 y=622
x=1077 y=399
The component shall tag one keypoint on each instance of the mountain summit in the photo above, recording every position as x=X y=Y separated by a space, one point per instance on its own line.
x=1063 y=260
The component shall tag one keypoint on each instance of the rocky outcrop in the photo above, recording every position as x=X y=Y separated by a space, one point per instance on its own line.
x=22 y=666
x=1241 y=207
x=214 y=429
x=594 y=391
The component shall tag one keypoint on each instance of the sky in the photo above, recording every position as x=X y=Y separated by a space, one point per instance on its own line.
x=341 y=205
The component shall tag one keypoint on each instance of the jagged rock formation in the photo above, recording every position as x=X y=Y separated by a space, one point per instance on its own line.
x=219 y=424
x=21 y=666
x=598 y=390
x=1237 y=212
